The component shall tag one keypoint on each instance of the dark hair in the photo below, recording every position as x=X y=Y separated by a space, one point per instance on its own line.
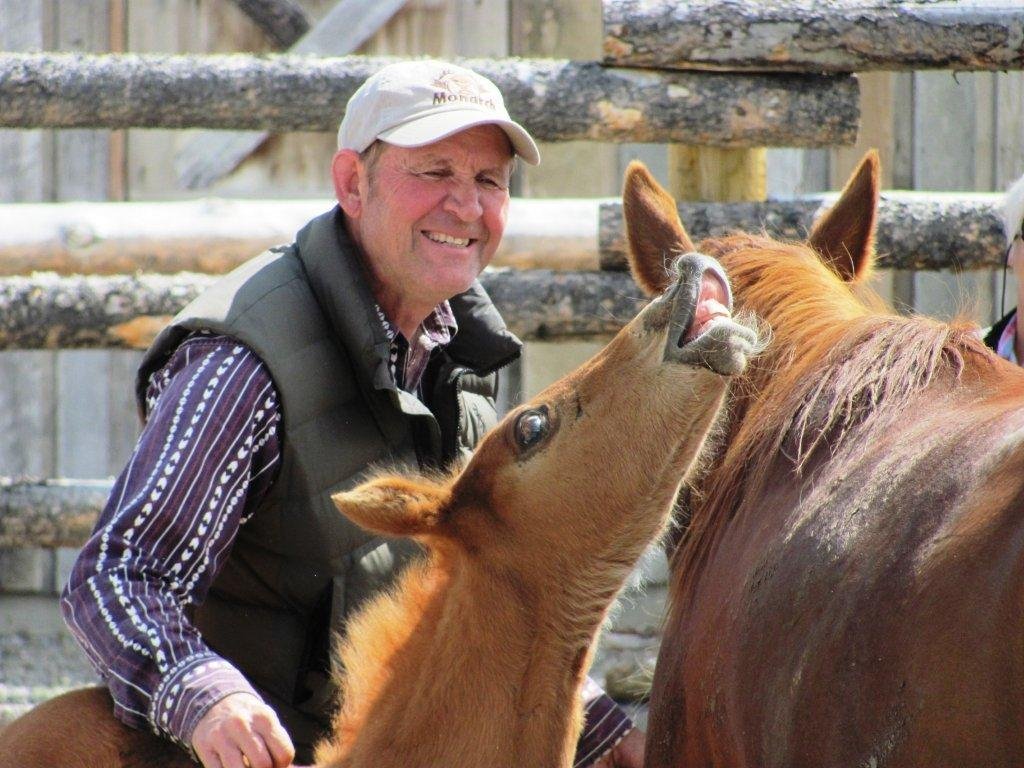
x=370 y=156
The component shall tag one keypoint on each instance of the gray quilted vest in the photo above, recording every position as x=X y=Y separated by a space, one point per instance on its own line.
x=298 y=568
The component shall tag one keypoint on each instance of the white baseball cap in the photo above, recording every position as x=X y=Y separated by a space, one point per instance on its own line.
x=413 y=103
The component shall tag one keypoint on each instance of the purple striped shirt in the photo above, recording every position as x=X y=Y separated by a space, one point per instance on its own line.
x=208 y=453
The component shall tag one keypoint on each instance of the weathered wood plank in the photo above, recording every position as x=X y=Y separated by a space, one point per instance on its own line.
x=25 y=157
x=81 y=159
x=45 y=311
x=811 y=36
x=950 y=122
x=555 y=100
x=926 y=231
x=915 y=231
x=81 y=172
x=714 y=175
x=214 y=236
x=283 y=21
x=28 y=433
x=562 y=29
x=1009 y=149
x=197 y=27
x=49 y=513
x=210 y=156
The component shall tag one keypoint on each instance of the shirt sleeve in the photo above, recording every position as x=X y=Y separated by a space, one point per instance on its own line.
x=604 y=725
x=208 y=453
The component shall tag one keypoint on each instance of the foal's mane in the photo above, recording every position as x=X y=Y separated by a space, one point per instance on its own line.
x=839 y=362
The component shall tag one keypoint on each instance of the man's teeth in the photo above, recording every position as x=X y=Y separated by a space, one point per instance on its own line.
x=438 y=237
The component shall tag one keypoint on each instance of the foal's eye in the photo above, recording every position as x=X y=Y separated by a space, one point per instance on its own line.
x=530 y=428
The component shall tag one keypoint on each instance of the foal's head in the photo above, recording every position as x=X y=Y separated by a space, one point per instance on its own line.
x=583 y=476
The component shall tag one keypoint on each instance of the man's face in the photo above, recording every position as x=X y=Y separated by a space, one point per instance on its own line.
x=432 y=217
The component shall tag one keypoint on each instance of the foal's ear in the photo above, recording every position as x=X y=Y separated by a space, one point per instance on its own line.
x=655 y=235
x=395 y=506
x=845 y=234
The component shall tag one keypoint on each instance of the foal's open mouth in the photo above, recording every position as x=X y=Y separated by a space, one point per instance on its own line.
x=713 y=301
x=702 y=297
x=702 y=331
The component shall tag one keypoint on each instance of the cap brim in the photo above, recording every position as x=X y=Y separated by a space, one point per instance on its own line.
x=430 y=128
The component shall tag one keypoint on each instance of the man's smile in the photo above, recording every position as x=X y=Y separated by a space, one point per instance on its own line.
x=446 y=239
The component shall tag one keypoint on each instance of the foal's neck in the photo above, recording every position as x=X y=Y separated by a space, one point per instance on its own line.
x=486 y=674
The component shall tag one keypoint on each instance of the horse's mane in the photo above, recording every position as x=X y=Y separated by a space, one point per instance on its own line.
x=840 y=362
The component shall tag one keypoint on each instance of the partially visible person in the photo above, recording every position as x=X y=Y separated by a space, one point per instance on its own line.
x=219 y=569
x=1006 y=336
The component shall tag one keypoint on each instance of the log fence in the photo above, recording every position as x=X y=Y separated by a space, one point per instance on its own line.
x=556 y=100
x=215 y=235
x=810 y=36
x=784 y=80
x=45 y=310
x=916 y=231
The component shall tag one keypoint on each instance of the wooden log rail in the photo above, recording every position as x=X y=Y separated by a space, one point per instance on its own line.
x=215 y=235
x=283 y=21
x=46 y=311
x=811 y=36
x=916 y=230
x=556 y=100
x=49 y=513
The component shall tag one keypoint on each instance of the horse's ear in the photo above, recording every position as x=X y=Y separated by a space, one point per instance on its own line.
x=653 y=230
x=395 y=506
x=845 y=234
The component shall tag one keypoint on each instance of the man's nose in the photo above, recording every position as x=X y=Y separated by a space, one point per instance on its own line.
x=464 y=201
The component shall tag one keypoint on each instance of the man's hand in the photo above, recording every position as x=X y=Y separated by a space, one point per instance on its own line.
x=241 y=726
x=628 y=753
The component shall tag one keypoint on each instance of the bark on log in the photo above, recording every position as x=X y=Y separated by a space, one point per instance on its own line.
x=283 y=21
x=544 y=304
x=45 y=311
x=49 y=513
x=810 y=36
x=556 y=100
x=925 y=230
x=215 y=235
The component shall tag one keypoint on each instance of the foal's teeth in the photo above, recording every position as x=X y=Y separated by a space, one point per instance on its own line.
x=439 y=237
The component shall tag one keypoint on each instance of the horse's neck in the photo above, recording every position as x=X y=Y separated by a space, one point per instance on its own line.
x=525 y=656
x=484 y=677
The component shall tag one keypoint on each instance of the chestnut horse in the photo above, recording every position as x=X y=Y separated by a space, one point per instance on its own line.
x=850 y=591
x=477 y=658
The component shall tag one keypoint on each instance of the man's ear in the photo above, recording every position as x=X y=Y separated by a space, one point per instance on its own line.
x=346 y=171
x=396 y=506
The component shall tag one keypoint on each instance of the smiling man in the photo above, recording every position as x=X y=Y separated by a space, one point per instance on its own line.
x=219 y=570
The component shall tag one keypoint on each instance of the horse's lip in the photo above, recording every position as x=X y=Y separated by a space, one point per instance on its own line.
x=713 y=301
x=703 y=296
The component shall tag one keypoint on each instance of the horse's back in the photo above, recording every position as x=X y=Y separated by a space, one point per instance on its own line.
x=869 y=615
x=78 y=730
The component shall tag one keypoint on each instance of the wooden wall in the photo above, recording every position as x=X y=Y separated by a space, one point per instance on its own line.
x=69 y=413
x=937 y=131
